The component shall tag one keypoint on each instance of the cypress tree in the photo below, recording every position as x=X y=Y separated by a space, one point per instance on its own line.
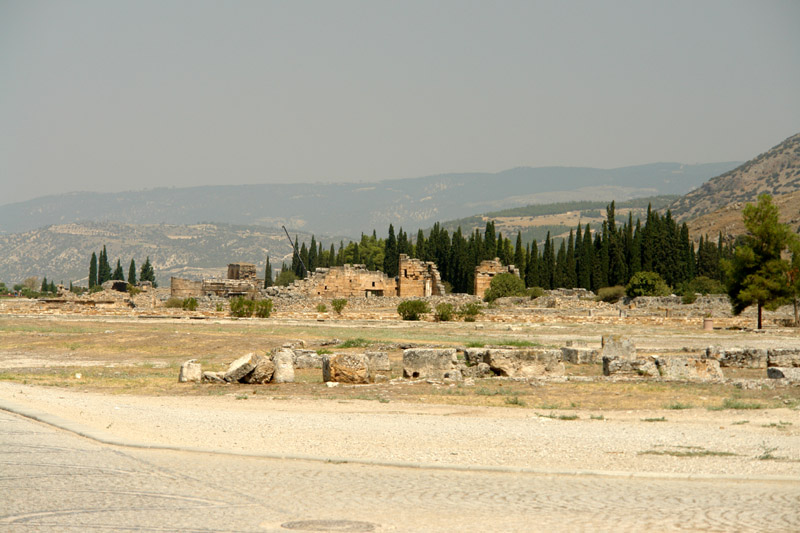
x=268 y=281
x=403 y=246
x=489 y=242
x=332 y=256
x=532 y=267
x=93 y=271
x=118 y=275
x=301 y=272
x=560 y=277
x=571 y=275
x=45 y=286
x=636 y=250
x=132 y=273
x=53 y=287
x=103 y=268
x=390 y=254
x=519 y=254
x=312 y=255
x=420 y=252
x=296 y=268
x=146 y=273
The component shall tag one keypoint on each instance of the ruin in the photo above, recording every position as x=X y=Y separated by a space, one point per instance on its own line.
x=241 y=281
x=487 y=270
x=418 y=278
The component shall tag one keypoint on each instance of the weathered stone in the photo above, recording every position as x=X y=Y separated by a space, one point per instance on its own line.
x=378 y=361
x=738 y=357
x=191 y=371
x=642 y=367
x=262 y=373
x=214 y=377
x=783 y=358
x=791 y=373
x=579 y=356
x=481 y=370
x=525 y=363
x=454 y=375
x=689 y=368
x=346 y=368
x=284 y=367
x=428 y=362
x=473 y=356
x=616 y=346
x=307 y=359
x=241 y=367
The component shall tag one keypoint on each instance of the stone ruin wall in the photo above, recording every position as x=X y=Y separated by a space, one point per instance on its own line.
x=348 y=281
x=185 y=288
x=418 y=278
x=242 y=271
x=488 y=269
x=241 y=281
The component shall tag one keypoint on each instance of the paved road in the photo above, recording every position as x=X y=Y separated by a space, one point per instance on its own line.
x=52 y=480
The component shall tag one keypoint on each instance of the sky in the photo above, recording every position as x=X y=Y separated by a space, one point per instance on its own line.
x=128 y=95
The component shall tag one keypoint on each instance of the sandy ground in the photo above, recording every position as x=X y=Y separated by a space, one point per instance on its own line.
x=763 y=443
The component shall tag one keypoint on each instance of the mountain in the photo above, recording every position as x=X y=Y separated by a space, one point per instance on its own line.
x=775 y=172
x=728 y=220
x=62 y=252
x=350 y=208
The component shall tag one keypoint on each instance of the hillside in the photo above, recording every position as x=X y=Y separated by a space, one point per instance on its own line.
x=775 y=172
x=62 y=252
x=728 y=219
x=350 y=208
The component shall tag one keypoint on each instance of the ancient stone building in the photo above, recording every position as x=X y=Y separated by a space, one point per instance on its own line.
x=348 y=281
x=242 y=271
x=489 y=269
x=418 y=278
x=241 y=281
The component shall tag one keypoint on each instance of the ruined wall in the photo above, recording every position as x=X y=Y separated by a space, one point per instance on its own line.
x=489 y=269
x=348 y=281
x=242 y=271
x=185 y=288
x=418 y=278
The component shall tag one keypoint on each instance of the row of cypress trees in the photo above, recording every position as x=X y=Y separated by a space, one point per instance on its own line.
x=100 y=270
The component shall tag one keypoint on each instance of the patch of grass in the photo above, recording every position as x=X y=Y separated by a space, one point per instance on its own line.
x=659 y=419
x=483 y=391
x=734 y=403
x=550 y=406
x=597 y=417
x=568 y=417
x=354 y=343
x=518 y=343
x=476 y=344
x=766 y=454
x=515 y=400
x=678 y=406
x=324 y=351
x=688 y=453
x=554 y=416
x=740 y=422
x=241 y=396
x=779 y=425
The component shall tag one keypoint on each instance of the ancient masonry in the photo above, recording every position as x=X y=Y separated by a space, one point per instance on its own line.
x=241 y=281
x=418 y=278
x=489 y=269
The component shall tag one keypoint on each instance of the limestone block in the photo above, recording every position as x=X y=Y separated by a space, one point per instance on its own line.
x=428 y=362
x=791 y=373
x=214 y=377
x=284 y=367
x=241 y=367
x=623 y=366
x=307 y=359
x=689 y=368
x=525 y=363
x=738 y=357
x=784 y=358
x=579 y=356
x=378 y=361
x=190 y=372
x=474 y=356
x=262 y=373
x=346 y=368
x=615 y=346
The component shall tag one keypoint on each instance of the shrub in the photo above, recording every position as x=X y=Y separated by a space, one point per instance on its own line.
x=536 y=292
x=242 y=307
x=647 y=284
x=189 y=304
x=322 y=308
x=338 y=305
x=701 y=285
x=610 y=294
x=263 y=308
x=444 y=312
x=504 y=285
x=285 y=278
x=220 y=308
x=469 y=311
x=133 y=290
x=413 y=309
x=174 y=303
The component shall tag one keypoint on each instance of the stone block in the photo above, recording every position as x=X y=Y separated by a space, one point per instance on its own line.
x=190 y=372
x=791 y=373
x=283 y=361
x=378 y=361
x=623 y=366
x=214 y=377
x=262 y=373
x=616 y=346
x=306 y=359
x=689 y=368
x=579 y=356
x=738 y=357
x=241 y=367
x=345 y=368
x=525 y=363
x=783 y=357
x=473 y=356
x=428 y=362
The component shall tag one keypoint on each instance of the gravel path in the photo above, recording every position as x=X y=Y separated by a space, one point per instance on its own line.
x=689 y=442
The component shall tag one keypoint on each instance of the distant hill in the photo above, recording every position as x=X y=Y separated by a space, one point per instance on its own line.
x=350 y=208
x=775 y=172
x=728 y=219
x=62 y=252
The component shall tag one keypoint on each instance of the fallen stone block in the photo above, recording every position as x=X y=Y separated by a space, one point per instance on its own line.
x=473 y=356
x=191 y=371
x=214 y=377
x=784 y=358
x=623 y=366
x=241 y=367
x=378 y=361
x=428 y=362
x=525 y=363
x=262 y=373
x=738 y=357
x=579 y=356
x=616 y=346
x=791 y=373
x=689 y=368
x=481 y=370
x=346 y=368
x=307 y=359
x=284 y=367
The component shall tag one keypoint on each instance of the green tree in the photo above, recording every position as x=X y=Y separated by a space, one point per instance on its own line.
x=147 y=273
x=757 y=275
x=268 y=275
x=391 y=257
x=45 y=285
x=118 y=275
x=93 y=271
x=103 y=268
x=132 y=273
x=504 y=285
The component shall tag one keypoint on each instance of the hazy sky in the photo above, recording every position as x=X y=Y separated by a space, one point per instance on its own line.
x=111 y=95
